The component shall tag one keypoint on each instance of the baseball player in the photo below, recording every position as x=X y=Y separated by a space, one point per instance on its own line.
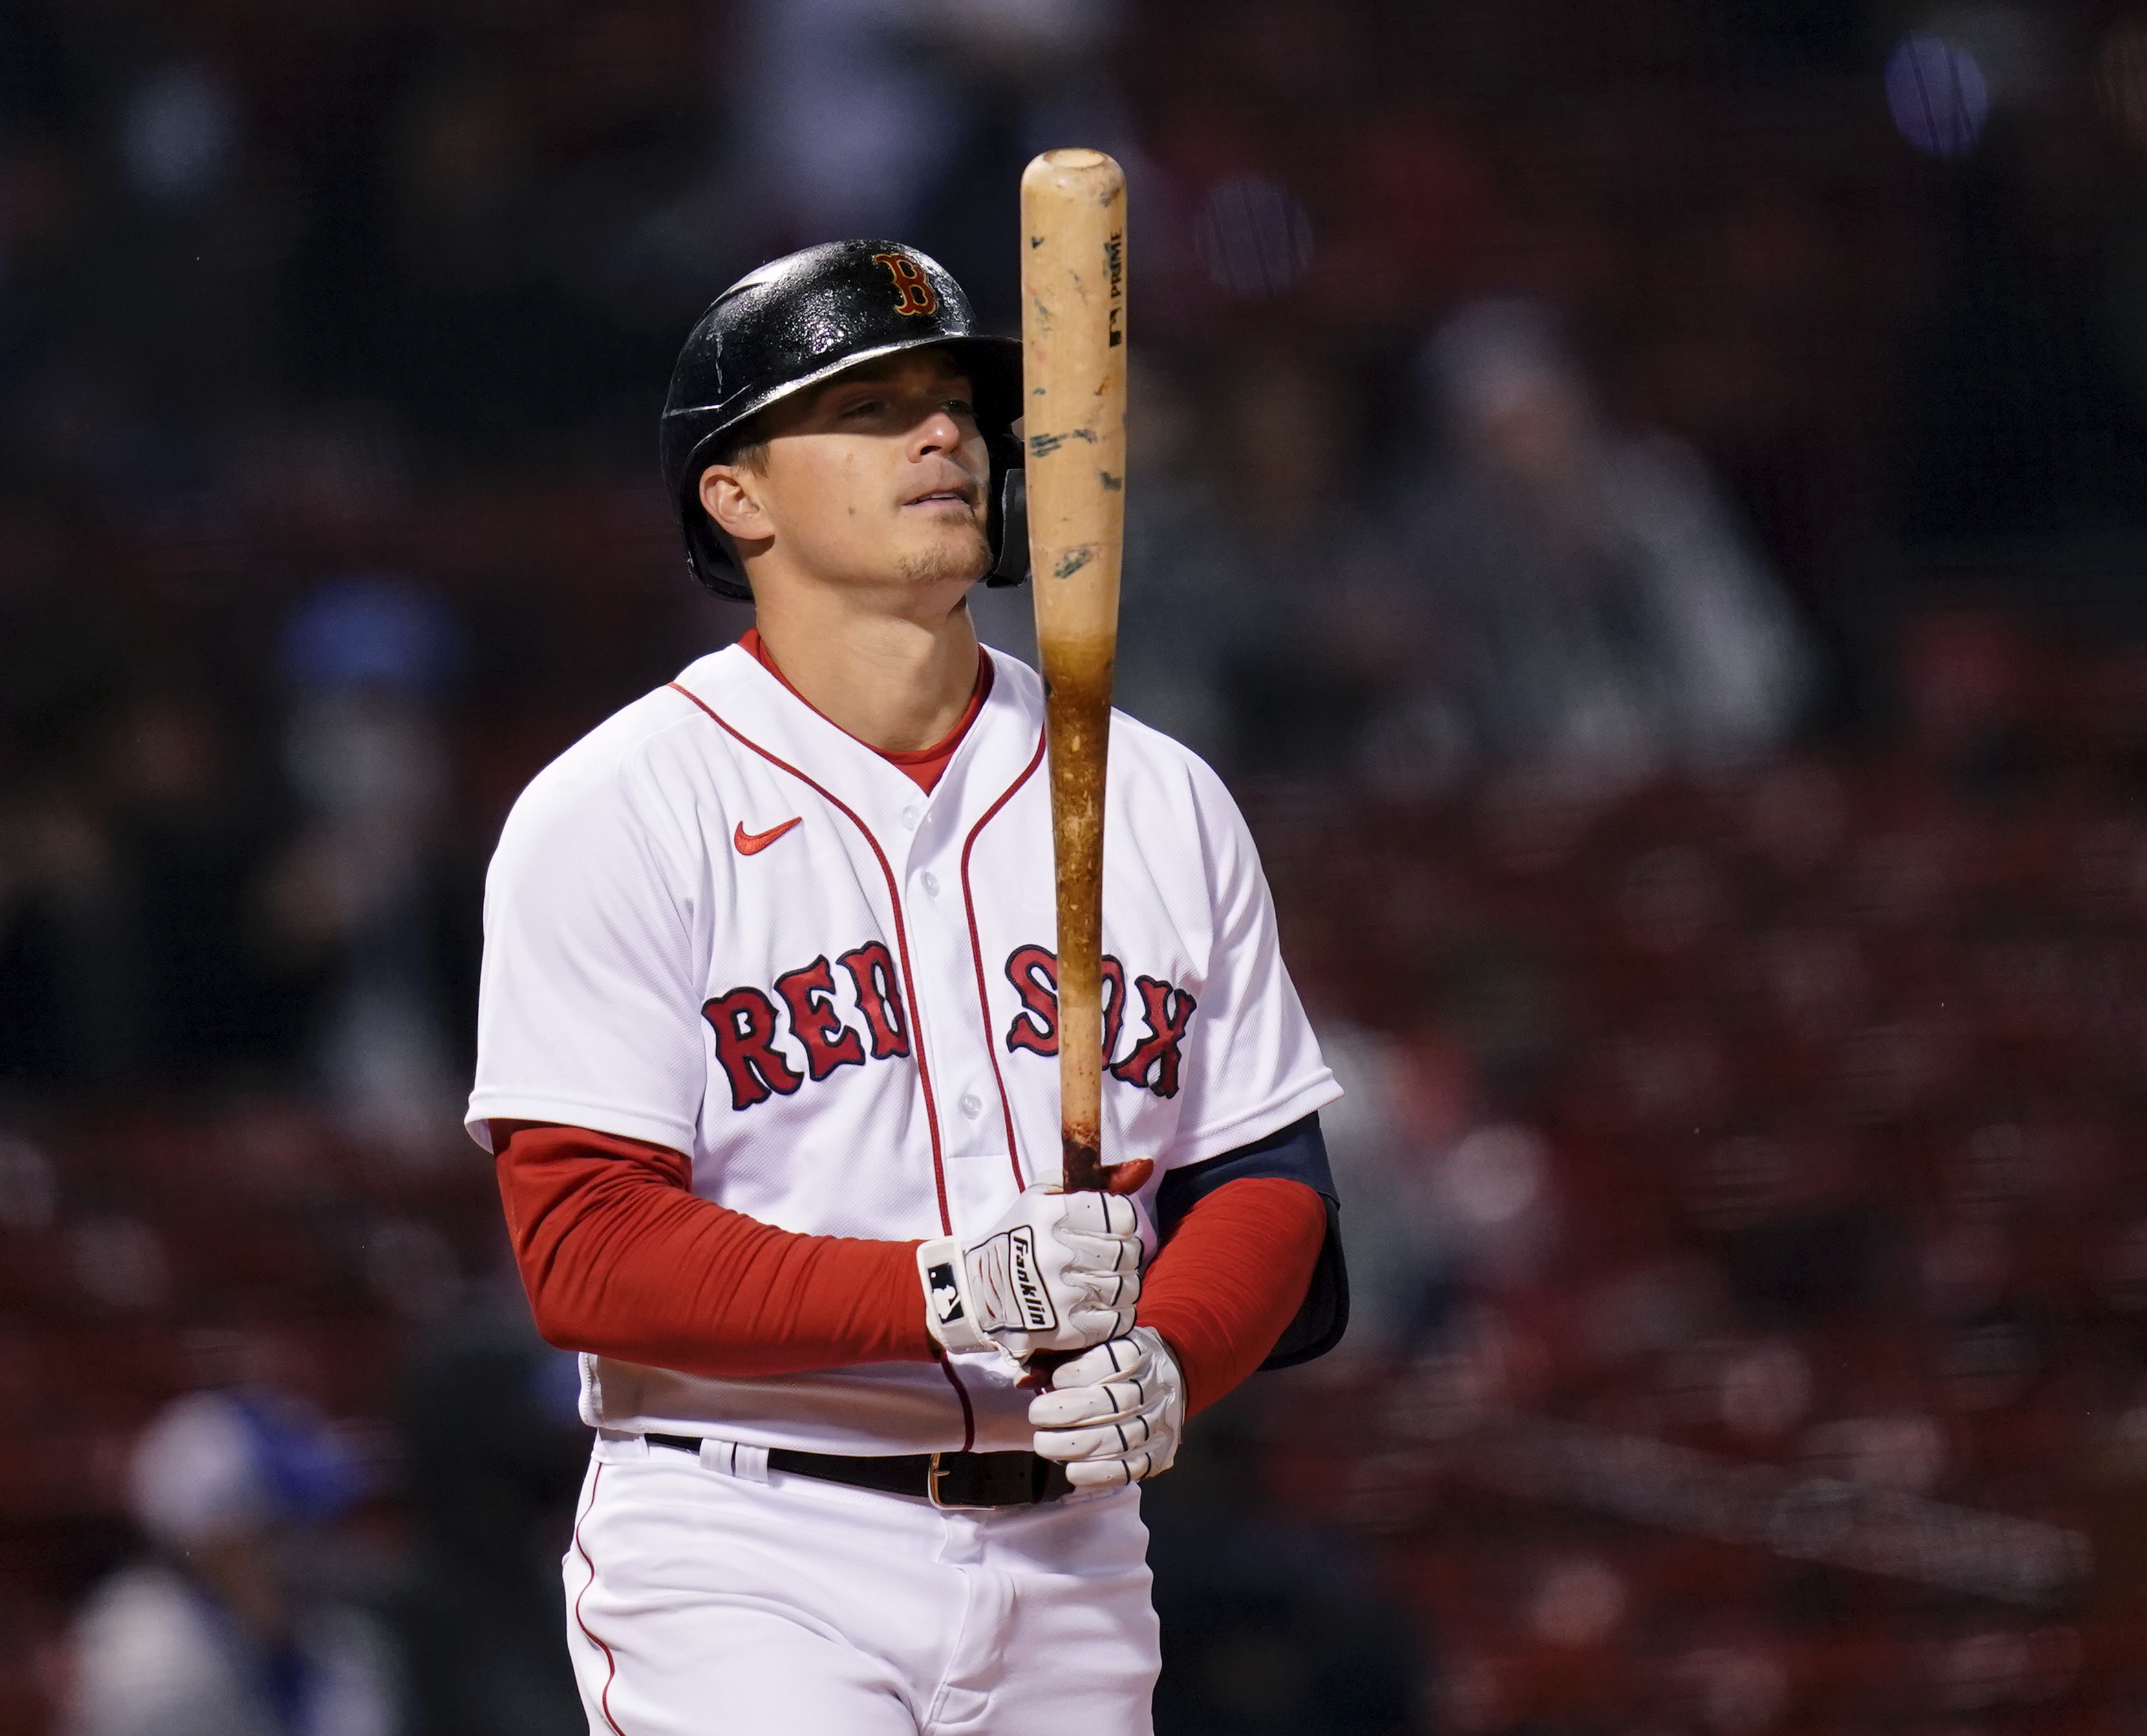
x=768 y=1061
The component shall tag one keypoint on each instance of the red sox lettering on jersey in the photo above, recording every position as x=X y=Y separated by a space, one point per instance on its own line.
x=1153 y=1062
x=720 y=924
x=749 y=1031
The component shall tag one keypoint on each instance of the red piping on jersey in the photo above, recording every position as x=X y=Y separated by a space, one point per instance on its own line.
x=901 y=941
x=961 y=1392
x=611 y=1664
x=977 y=952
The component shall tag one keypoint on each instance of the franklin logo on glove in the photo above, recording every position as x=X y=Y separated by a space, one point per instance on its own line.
x=1010 y=1290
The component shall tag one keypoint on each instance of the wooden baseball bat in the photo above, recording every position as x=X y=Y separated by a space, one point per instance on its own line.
x=1073 y=339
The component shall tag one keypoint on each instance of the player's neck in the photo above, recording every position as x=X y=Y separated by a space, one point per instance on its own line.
x=895 y=681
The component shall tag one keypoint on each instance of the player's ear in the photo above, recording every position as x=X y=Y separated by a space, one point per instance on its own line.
x=730 y=496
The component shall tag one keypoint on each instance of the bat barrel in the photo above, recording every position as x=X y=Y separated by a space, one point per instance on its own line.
x=1073 y=336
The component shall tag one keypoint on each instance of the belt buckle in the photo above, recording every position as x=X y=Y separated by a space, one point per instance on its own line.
x=994 y=1480
x=934 y=1473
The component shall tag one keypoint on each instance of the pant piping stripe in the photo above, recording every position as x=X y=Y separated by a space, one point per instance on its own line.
x=611 y=1664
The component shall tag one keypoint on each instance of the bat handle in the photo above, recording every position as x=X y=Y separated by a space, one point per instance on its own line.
x=1085 y=1173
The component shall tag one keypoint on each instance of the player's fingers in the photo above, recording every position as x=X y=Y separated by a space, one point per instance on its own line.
x=1101 y=1253
x=1113 y=1289
x=1098 y=1214
x=1099 y=1325
x=1118 y=1357
x=1081 y=1215
x=1100 y=1274
x=1086 y=1326
x=1111 y=1401
x=1112 y=1473
x=1109 y=1440
x=1084 y=1229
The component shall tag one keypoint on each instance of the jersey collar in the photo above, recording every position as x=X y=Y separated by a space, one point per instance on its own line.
x=732 y=683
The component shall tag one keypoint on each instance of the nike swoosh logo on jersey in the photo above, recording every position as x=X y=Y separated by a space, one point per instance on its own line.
x=752 y=844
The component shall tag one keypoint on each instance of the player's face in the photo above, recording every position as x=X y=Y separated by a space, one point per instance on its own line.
x=876 y=477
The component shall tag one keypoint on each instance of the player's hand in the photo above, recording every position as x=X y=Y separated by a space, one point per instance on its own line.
x=1113 y=1414
x=1060 y=1271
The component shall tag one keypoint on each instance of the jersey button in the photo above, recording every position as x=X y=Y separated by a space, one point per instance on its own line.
x=931 y=884
x=972 y=1105
x=909 y=819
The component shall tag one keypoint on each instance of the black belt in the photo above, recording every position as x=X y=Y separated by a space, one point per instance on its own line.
x=945 y=1479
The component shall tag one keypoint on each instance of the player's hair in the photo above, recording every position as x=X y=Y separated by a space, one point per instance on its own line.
x=746 y=448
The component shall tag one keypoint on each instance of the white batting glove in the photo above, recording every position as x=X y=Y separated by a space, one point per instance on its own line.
x=1115 y=1414
x=1060 y=1271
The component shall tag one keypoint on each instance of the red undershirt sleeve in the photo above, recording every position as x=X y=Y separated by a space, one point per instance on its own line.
x=1230 y=1280
x=621 y=1259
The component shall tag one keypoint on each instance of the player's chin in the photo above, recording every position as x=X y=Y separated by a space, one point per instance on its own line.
x=954 y=551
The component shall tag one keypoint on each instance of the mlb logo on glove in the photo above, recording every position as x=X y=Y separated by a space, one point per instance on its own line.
x=946 y=1294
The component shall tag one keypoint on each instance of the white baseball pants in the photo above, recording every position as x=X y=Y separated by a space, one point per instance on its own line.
x=703 y=1602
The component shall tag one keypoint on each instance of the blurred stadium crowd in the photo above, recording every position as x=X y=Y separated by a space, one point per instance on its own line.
x=1647 y=505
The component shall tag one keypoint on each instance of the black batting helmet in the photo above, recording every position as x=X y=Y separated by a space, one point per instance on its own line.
x=804 y=318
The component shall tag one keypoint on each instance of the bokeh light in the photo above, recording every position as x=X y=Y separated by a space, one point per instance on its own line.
x=1938 y=94
x=1254 y=236
x=2120 y=79
x=178 y=131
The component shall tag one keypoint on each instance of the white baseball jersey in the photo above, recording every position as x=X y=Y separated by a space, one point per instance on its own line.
x=721 y=924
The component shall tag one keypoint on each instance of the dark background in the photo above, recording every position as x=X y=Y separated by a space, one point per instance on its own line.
x=1773 y=1098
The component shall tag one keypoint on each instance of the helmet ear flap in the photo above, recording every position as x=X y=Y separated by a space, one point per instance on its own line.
x=1009 y=528
x=711 y=564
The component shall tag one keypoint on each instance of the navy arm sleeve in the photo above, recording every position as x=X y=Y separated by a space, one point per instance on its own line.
x=1297 y=1152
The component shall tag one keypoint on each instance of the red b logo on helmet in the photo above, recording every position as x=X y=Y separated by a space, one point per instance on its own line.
x=914 y=293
